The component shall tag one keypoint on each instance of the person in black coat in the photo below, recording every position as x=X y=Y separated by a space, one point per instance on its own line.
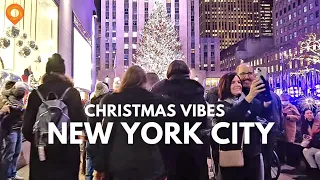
x=61 y=163
x=101 y=90
x=189 y=161
x=212 y=95
x=119 y=160
x=240 y=108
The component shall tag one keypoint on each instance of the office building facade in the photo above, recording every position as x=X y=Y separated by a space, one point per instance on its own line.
x=235 y=20
x=123 y=20
x=294 y=19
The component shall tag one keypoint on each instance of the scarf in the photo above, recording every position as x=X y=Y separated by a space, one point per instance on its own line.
x=235 y=100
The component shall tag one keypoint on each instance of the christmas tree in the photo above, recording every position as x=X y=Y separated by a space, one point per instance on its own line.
x=158 y=45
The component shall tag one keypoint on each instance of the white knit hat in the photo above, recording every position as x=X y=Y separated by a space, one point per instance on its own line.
x=100 y=89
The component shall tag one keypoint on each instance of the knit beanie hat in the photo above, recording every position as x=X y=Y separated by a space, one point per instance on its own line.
x=100 y=89
x=19 y=89
x=55 y=64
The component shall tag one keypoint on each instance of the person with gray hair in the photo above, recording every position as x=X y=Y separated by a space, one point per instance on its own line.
x=152 y=79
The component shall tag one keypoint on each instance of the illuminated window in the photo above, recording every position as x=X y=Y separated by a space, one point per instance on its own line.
x=305 y=9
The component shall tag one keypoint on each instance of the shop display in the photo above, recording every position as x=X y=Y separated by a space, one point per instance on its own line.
x=25 y=51
x=32 y=44
x=24 y=36
x=27 y=41
x=13 y=32
x=38 y=60
x=4 y=43
x=20 y=43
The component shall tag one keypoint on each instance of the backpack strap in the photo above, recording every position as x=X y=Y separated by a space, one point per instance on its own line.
x=64 y=94
x=40 y=96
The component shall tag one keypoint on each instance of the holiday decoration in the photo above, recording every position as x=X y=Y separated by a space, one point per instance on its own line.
x=20 y=43
x=309 y=49
x=33 y=82
x=24 y=36
x=158 y=45
x=32 y=44
x=307 y=102
x=25 y=52
x=13 y=32
x=305 y=71
x=38 y=60
x=4 y=43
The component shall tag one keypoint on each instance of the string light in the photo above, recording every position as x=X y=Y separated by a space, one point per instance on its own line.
x=158 y=46
x=305 y=71
x=308 y=102
x=309 y=49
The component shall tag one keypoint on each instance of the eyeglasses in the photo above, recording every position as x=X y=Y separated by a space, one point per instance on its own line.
x=246 y=73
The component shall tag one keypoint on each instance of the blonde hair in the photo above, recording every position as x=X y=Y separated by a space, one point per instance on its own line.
x=134 y=76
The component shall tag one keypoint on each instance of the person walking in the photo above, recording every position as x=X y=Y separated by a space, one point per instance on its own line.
x=119 y=160
x=62 y=162
x=238 y=108
x=101 y=90
x=187 y=161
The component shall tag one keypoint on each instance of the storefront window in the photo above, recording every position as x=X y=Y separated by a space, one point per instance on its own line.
x=39 y=26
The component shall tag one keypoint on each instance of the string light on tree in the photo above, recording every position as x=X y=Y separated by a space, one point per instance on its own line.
x=158 y=45
x=308 y=102
x=310 y=49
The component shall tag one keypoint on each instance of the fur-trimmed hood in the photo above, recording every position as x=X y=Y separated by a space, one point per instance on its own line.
x=54 y=77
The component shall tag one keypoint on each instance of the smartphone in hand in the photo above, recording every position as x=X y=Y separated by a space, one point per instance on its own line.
x=262 y=72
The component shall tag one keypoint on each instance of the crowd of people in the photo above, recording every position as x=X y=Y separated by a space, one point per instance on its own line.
x=246 y=98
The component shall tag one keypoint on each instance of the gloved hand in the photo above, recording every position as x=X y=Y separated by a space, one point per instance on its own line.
x=267 y=93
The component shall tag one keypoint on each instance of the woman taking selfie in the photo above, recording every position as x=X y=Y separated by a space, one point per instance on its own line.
x=235 y=164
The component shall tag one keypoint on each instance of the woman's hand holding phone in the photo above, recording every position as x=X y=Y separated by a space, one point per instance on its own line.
x=257 y=87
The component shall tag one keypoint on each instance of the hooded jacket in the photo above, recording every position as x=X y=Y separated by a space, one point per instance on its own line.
x=61 y=163
x=13 y=96
x=188 y=161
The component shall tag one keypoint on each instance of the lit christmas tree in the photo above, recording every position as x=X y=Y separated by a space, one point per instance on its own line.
x=158 y=45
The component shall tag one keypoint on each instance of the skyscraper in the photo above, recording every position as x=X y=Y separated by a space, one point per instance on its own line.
x=235 y=20
x=122 y=22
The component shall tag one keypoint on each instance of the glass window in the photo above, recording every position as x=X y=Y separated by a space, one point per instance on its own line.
x=40 y=23
x=305 y=19
x=305 y=9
